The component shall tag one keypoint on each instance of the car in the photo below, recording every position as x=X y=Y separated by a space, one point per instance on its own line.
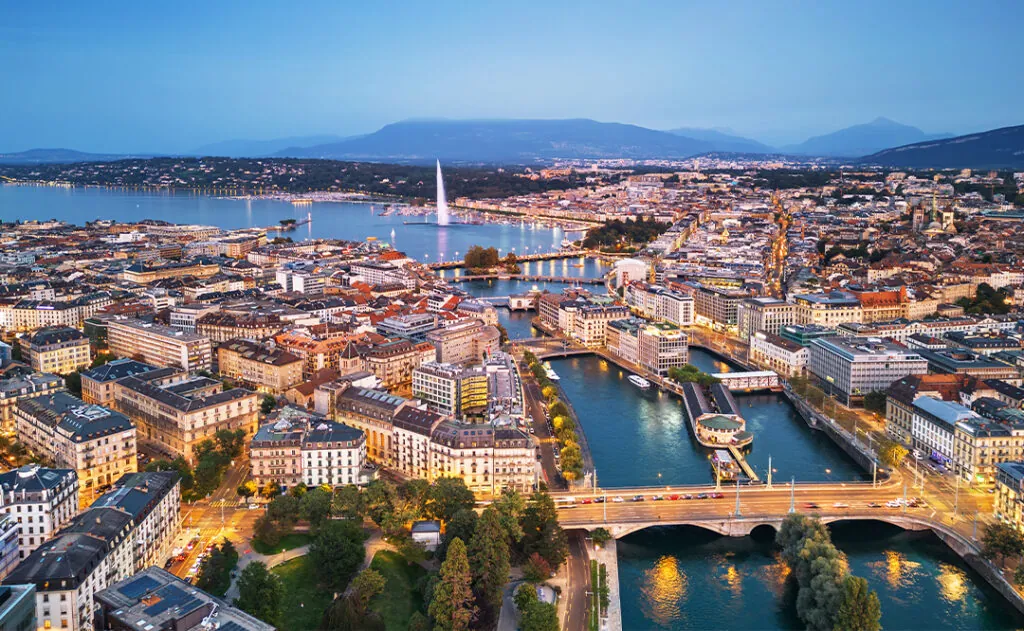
x=586 y=500
x=717 y=495
x=688 y=497
x=673 y=497
x=703 y=496
x=599 y=500
x=637 y=498
x=874 y=505
x=840 y=505
x=657 y=498
x=811 y=505
x=892 y=504
x=618 y=499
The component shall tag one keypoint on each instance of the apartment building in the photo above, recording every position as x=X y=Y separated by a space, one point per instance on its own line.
x=9 y=558
x=17 y=385
x=850 y=367
x=333 y=454
x=1009 y=495
x=488 y=459
x=275 y=452
x=774 y=352
x=468 y=341
x=176 y=416
x=225 y=326
x=980 y=444
x=658 y=347
x=901 y=394
x=393 y=362
x=130 y=528
x=301 y=282
x=764 y=314
x=159 y=345
x=412 y=326
x=40 y=501
x=830 y=310
x=268 y=370
x=97 y=443
x=144 y=273
x=156 y=599
x=659 y=303
x=57 y=350
x=98 y=383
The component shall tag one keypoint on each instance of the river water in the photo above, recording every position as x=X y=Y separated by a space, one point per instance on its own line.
x=689 y=578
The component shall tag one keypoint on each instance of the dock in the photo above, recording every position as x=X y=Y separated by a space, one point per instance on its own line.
x=742 y=462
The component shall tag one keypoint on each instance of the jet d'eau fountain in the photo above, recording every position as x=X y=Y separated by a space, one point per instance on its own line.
x=442 y=203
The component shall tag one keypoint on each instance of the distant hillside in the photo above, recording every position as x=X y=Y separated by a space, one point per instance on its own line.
x=57 y=156
x=260 y=148
x=721 y=141
x=998 y=148
x=860 y=140
x=510 y=141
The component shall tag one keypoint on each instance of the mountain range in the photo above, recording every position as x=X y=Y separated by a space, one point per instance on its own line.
x=861 y=140
x=529 y=141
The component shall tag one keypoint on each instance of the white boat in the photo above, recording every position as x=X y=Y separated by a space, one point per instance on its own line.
x=552 y=375
x=639 y=382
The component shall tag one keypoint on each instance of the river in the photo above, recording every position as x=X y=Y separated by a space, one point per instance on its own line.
x=689 y=578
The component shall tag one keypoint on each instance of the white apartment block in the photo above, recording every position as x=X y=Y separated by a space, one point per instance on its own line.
x=40 y=500
x=159 y=345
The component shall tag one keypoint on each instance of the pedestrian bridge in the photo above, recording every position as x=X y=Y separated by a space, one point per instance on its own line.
x=751 y=380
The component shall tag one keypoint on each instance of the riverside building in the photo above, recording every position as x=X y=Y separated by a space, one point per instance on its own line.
x=850 y=367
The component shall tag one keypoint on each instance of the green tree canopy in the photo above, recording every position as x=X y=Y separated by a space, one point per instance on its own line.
x=451 y=607
x=260 y=592
x=337 y=552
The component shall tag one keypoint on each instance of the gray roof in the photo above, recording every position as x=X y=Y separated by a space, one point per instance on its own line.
x=117 y=369
x=169 y=397
x=74 y=416
x=32 y=478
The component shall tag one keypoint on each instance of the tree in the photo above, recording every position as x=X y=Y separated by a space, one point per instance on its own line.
x=542 y=533
x=348 y=503
x=260 y=592
x=229 y=442
x=180 y=465
x=270 y=489
x=489 y=561
x=461 y=526
x=875 y=401
x=337 y=552
x=536 y=569
x=892 y=453
x=418 y=622
x=268 y=404
x=73 y=383
x=365 y=586
x=447 y=497
x=451 y=607
x=859 y=609
x=247 y=488
x=601 y=536
x=379 y=500
x=1000 y=541
x=535 y=615
x=417 y=493
x=510 y=506
x=315 y=507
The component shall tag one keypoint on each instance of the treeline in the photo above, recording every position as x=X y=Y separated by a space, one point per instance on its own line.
x=570 y=453
x=688 y=373
x=295 y=176
x=828 y=598
x=212 y=459
x=987 y=301
x=618 y=234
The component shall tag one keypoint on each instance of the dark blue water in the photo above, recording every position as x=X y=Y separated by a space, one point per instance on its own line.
x=626 y=426
x=689 y=578
x=330 y=220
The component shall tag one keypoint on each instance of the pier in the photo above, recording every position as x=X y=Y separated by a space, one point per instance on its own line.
x=548 y=256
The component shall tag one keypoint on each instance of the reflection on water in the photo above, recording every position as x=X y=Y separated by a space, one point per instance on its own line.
x=664 y=591
x=689 y=578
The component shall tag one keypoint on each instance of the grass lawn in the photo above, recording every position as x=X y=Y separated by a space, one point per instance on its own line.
x=400 y=598
x=304 y=600
x=293 y=540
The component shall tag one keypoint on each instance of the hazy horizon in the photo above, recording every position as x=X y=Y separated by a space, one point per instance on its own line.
x=135 y=78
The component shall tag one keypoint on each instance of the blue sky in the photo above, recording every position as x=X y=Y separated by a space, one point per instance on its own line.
x=170 y=76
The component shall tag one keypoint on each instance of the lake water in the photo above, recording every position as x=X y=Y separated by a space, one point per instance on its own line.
x=351 y=221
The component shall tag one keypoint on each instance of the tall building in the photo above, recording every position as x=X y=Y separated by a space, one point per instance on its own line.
x=98 y=443
x=40 y=500
x=130 y=528
x=764 y=313
x=850 y=367
x=159 y=345
x=57 y=350
x=268 y=370
x=449 y=389
x=469 y=341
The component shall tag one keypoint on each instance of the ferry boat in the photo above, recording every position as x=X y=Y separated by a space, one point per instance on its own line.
x=724 y=466
x=639 y=382
x=566 y=244
x=552 y=375
x=302 y=201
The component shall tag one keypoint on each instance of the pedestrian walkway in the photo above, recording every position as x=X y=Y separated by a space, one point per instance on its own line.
x=269 y=559
x=609 y=555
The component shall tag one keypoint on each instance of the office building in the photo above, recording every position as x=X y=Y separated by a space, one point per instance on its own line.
x=159 y=345
x=98 y=383
x=847 y=368
x=830 y=310
x=468 y=341
x=18 y=608
x=156 y=599
x=763 y=314
x=451 y=390
x=777 y=353
x=20 y=385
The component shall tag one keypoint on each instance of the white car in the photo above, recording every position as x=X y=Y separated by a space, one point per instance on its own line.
x=840 y=505
x=618 y=500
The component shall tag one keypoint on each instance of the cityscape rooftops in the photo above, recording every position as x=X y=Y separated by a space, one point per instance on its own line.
x=117 y=369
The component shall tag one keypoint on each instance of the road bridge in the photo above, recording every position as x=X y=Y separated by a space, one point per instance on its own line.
x=547 y=256
x=539 y=278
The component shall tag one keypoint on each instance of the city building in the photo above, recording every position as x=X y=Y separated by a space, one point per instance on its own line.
x=847 y=368
x=97 y=443
x=128 y=529
x=333 y=454
x=764 y=314
x=1009 y=495
x=17 y=385
x=831 y=309
x=177 y=414
x=451 y=390
x=153 y=598
x=468 y=341
x=98 y=383
x=57 y=350
x=40 y=500
x=9 y=535
x=901 y=394
x=267 y=370
x=658 y=347
x=18 y=607
x=411 y=326
x=777 y=353
x=159 y=345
